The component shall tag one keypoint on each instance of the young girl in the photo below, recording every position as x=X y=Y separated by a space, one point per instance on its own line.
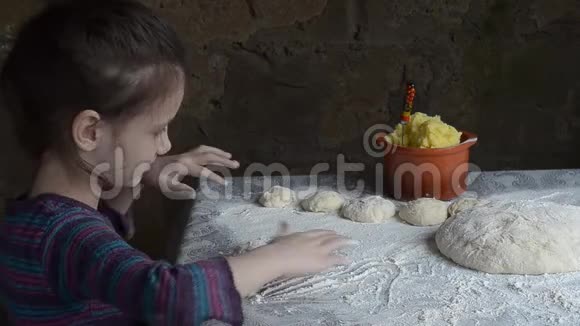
x=84 y=80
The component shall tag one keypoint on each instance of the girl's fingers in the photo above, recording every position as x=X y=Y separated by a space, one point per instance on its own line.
x=215 y=165
x=318 y=233
x=214 y=150
x=214 y=159
x=226 y=163
x=171 y=186
x=218 y=165
x=336 y=243
x=204 y=172
x=208 y=174
x=180 y=191
x=323 y=240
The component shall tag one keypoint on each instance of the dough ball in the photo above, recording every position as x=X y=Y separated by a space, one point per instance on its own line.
x=424 y=212
x=463 y=204
x=514 y=237
x=278 y=197
x=373 y=209
x=323 y=201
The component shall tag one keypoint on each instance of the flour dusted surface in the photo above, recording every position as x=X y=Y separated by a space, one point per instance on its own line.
x=398 y=276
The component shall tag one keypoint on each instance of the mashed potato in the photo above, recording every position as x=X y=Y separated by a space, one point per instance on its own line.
x=424 y=131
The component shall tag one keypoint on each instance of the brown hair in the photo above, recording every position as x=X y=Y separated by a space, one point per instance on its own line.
x=111 y=56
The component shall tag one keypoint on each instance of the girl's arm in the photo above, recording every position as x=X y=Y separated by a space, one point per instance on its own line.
x=85 y=259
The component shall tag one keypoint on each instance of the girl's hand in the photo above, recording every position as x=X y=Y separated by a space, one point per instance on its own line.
x=168 y=171
x=307 y=252
x=291 y=255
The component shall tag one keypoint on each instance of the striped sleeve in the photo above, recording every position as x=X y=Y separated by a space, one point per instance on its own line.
x=85 y=259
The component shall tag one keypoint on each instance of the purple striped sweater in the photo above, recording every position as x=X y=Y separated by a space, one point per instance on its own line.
x=65 y=263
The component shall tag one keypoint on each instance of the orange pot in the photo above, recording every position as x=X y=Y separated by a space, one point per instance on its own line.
x=440 y=173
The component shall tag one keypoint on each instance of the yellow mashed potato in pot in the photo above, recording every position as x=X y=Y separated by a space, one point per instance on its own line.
x=424 y=131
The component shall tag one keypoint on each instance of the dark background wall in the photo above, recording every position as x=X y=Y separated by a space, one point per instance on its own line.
x=299 y=81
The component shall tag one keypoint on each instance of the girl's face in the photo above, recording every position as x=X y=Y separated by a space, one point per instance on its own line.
x=130 y=147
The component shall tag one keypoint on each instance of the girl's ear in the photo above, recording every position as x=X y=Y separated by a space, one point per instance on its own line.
x=86 y=130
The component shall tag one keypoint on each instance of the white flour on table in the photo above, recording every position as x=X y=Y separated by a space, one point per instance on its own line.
x=398 y=277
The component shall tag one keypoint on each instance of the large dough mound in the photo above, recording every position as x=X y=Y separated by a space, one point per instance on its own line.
x=514 y=237
x=463 y=204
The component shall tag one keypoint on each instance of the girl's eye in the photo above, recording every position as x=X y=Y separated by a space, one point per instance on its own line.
x=160 y=132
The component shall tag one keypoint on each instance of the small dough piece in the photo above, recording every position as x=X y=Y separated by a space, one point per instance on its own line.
x=373 y=209
x=278 y=197
x=424 y=212
x=323 y=201
x=463 y=204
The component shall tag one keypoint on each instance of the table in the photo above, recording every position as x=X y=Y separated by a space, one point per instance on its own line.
x=398 y=276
